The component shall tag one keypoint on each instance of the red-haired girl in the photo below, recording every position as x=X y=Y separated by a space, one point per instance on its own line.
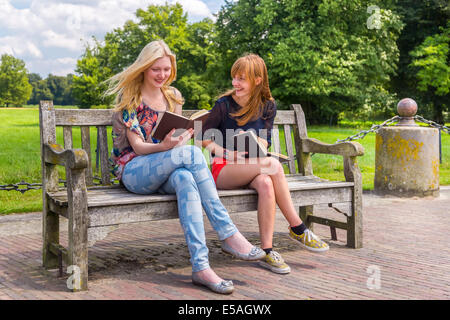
x=250 y=106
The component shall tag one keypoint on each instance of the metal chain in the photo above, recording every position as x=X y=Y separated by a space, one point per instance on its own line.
x=360 y=135
x=17 y=186
x=373 y=128
x=36 y=186
x=432 y=124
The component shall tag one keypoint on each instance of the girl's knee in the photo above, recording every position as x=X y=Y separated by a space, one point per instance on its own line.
x=181 y=177
x=272 y=167
x=188 y=154
x=263 y=185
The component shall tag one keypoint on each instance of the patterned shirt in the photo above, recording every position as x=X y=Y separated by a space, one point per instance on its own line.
x=140 y=121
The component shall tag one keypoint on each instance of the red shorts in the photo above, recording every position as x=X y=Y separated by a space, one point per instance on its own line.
x=217 y=166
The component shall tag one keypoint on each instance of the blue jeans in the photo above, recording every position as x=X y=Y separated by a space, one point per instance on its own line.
x=183 y=171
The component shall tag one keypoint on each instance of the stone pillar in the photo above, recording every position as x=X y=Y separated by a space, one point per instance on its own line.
x=407 y=156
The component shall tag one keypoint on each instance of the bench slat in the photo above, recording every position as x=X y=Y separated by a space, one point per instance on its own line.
x=86 y=145
x=119 y=196
x=67 y=134
x=101 y=216
x=81 y=117
x=103 y=150
x=99 y=117
x=289 y=148
x=276 y=139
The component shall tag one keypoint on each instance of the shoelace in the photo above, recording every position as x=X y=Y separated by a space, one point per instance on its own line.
x=309 y=234
x=276 y=257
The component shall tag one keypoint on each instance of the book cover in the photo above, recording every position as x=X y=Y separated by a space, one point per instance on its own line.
x=169 y=120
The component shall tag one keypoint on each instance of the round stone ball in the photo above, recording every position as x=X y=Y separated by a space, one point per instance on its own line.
x=407 y=107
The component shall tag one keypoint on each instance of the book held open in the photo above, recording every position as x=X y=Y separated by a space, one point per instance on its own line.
x=169 y=120
x=247 y=141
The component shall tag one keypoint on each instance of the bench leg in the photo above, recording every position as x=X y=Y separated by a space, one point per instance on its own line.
x=355 y=228
x=78 y=232
x=50 y=227
x=304 y=213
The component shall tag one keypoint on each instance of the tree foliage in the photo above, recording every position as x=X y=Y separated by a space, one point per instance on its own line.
x=190 y=42
x=88 y=87
x=14 y=86
x=318 y=53
x=353 y=57
x=56 y=88
x=422 y=19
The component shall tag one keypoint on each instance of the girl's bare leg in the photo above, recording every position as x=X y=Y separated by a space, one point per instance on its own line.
x=239 y=175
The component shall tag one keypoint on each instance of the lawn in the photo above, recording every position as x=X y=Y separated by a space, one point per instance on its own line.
x=20 y=156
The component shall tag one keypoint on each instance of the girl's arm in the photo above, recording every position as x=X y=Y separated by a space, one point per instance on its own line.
x=140 y=147
x=222 y=152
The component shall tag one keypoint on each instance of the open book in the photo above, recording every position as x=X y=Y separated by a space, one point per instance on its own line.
x=247 y=141
x=169 y=120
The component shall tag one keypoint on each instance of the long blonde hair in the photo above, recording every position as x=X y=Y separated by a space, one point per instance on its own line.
x=252 y=67
x=126 y=85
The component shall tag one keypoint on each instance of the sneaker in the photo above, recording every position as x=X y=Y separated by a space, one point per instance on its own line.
x=309 y=240
x=275 y=263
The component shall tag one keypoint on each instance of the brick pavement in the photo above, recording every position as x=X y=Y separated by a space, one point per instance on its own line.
x=406 y=240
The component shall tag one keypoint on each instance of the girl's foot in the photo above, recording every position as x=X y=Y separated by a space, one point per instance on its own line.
x=208 y=275
x=239 y=243
x=208 y=278
x=239 y=247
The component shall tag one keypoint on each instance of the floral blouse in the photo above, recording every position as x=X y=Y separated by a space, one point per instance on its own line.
x=140 y=121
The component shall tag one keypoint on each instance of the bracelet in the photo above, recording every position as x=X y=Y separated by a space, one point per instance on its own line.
x=225 y=153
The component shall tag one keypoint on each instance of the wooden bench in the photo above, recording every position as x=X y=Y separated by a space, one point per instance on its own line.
x=93 y=211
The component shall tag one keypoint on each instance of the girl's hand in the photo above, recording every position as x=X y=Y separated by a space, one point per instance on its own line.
x=170 y=141
x=235 y=155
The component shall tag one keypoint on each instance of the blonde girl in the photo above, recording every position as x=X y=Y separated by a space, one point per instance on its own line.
x=146 y=166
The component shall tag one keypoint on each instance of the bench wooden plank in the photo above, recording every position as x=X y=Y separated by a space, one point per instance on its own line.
x=99 y=117
x=289 y=148
x=276 y=139
x=148 y=211
x=104 y=155
x=67 y=133
x=102 y=198
x=86 y=145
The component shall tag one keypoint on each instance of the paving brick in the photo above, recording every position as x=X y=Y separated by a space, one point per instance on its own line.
x=406 y=238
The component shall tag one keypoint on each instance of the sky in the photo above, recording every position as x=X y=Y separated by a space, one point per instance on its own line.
x=50 y=35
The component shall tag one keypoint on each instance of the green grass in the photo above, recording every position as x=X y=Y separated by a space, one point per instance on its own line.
x=20 y=156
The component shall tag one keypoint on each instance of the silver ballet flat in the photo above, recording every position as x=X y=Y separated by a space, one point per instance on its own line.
x=223 y=287
x=254 y=254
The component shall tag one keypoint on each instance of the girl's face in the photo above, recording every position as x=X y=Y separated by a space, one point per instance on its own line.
x=158 y=73
x=242 y=86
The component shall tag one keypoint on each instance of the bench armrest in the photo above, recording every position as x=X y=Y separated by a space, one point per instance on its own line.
x=71 y=158
x=346 y=149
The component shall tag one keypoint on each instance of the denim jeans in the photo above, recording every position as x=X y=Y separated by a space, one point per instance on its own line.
x=183 y=171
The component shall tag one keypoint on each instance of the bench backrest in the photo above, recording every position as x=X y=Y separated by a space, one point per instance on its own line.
x=289 y=126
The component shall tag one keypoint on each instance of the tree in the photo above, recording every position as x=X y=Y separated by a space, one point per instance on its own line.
x=14 y=86
x=57 y=86
x=89 y=86
x=422 y=19
x=191 y=43
x=318 y=53
x=431 y=59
